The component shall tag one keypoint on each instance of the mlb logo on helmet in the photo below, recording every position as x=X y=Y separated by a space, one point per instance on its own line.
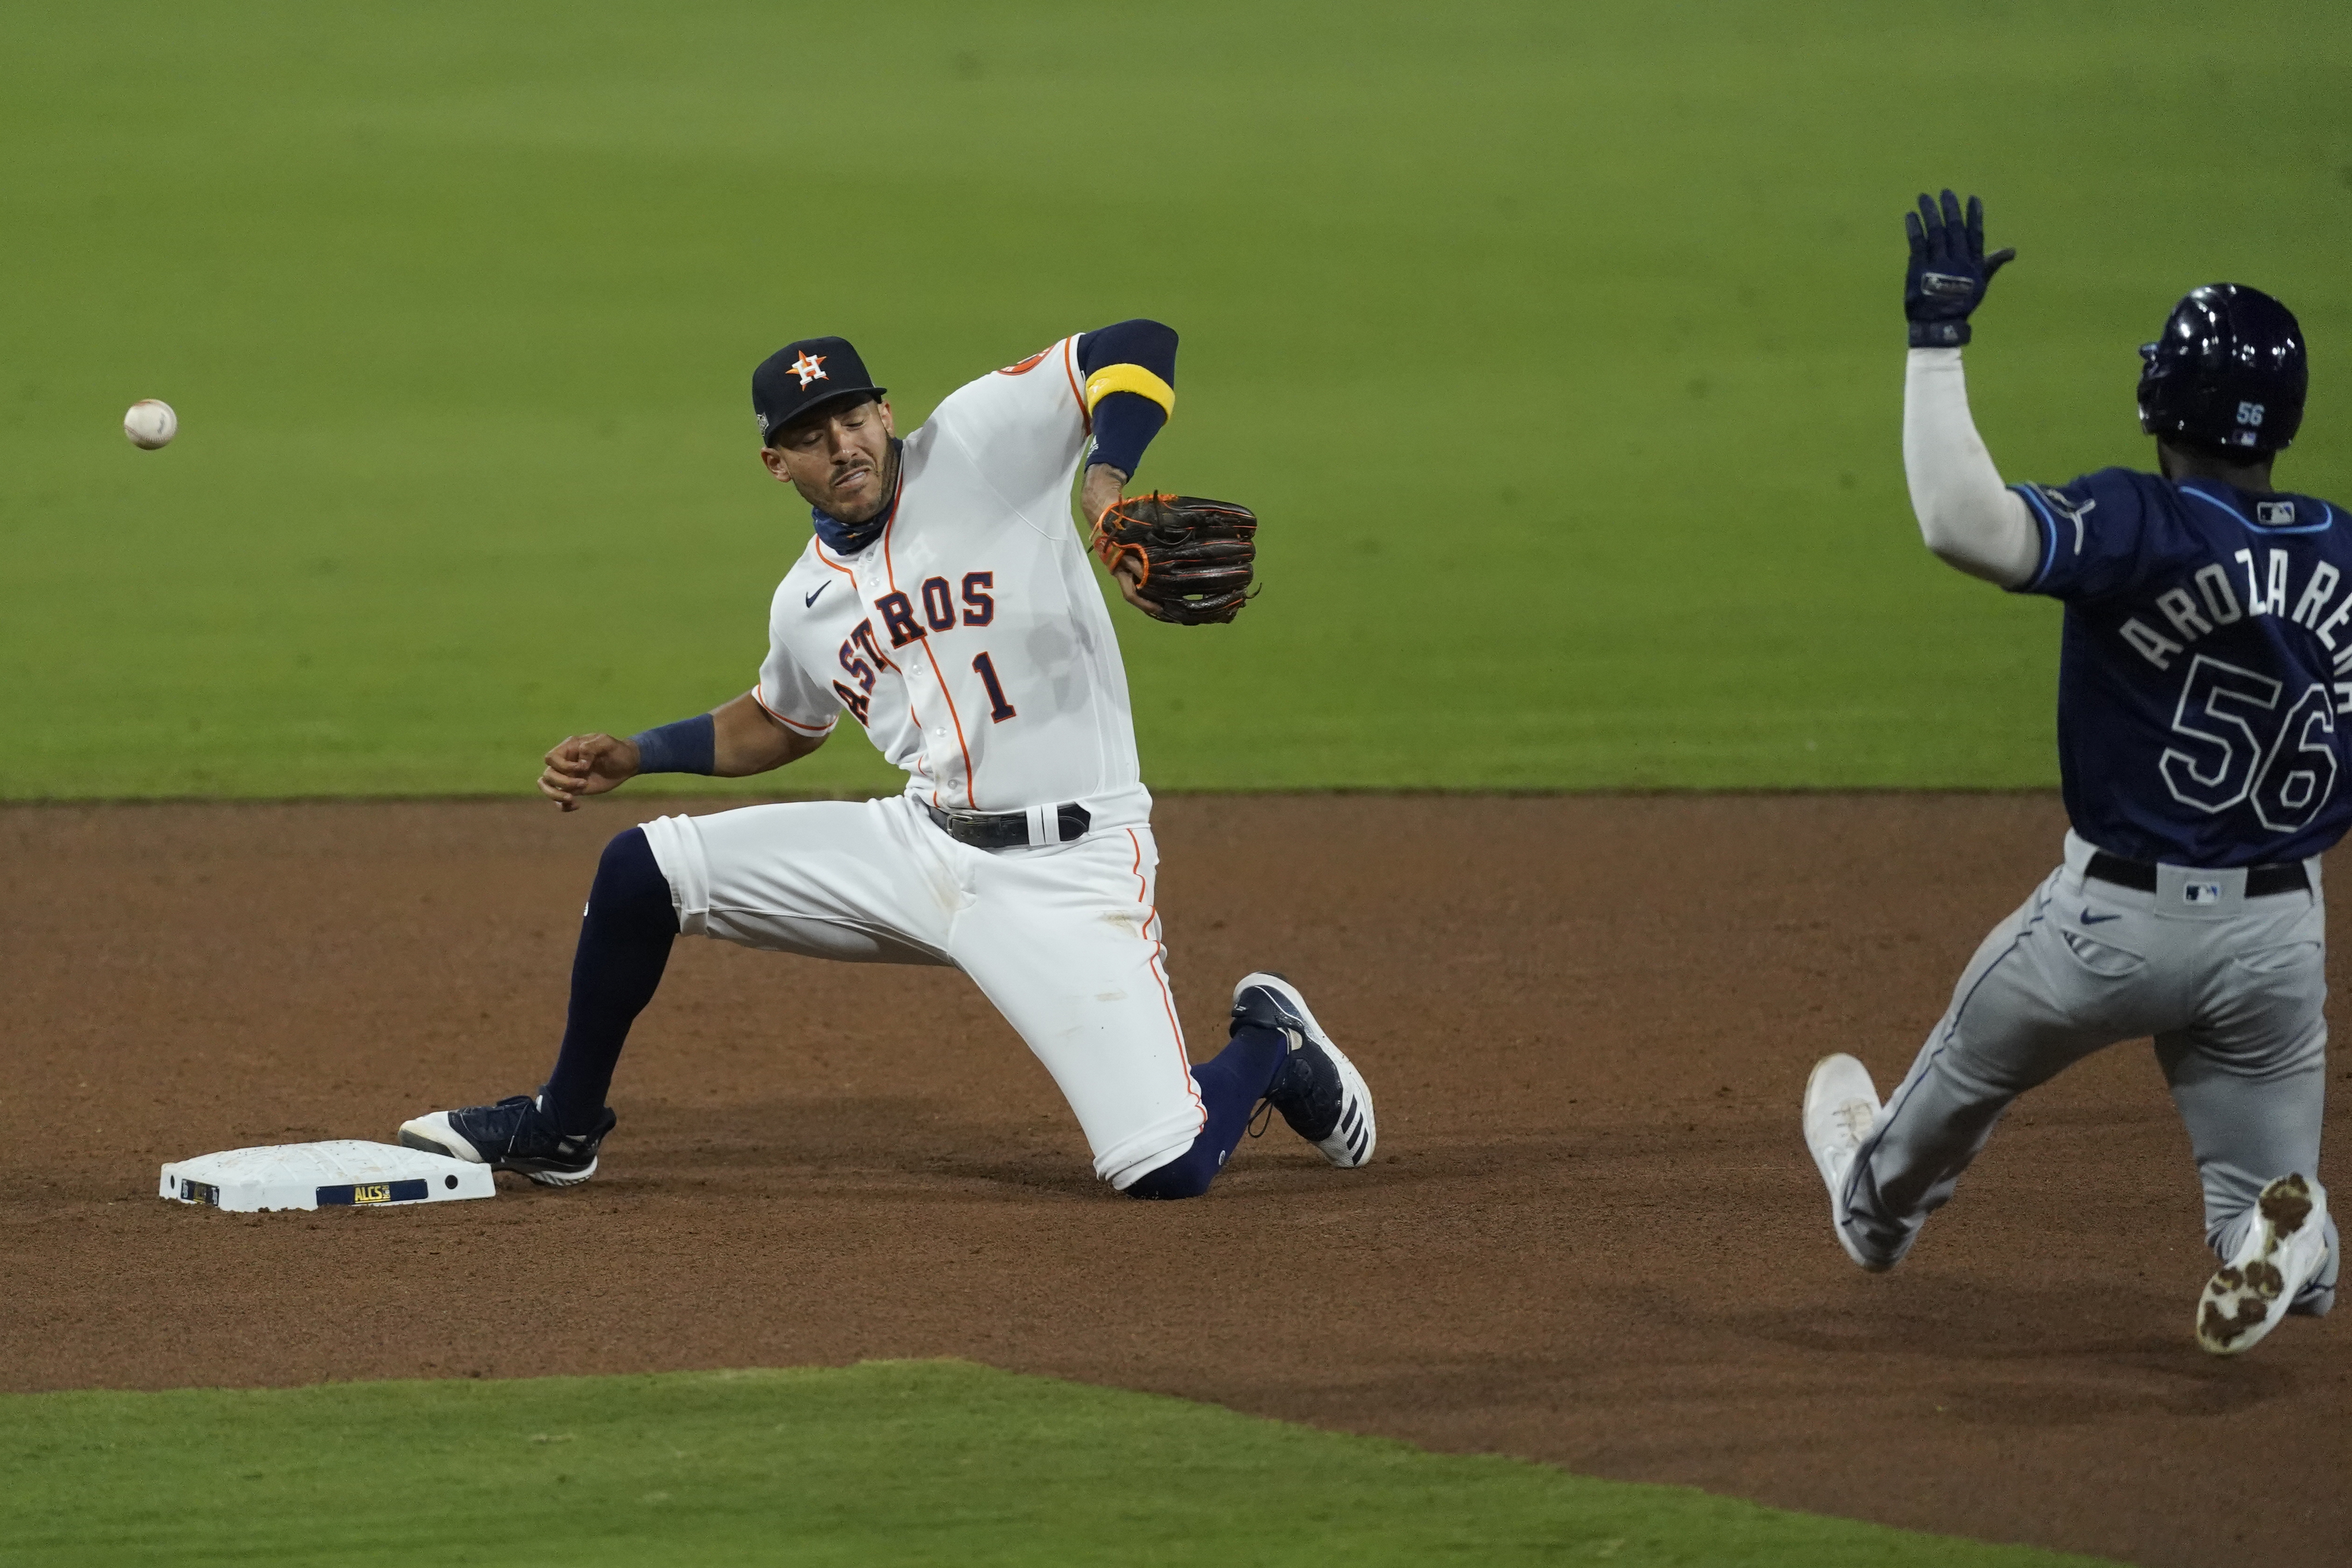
x=802 y=377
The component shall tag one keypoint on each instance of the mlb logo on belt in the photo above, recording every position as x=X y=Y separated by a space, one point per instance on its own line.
x=2201 y=892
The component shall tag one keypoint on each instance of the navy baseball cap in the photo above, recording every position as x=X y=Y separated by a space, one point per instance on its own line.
x=802 y=376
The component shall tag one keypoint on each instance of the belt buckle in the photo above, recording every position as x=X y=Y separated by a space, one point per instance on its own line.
x=975 y=829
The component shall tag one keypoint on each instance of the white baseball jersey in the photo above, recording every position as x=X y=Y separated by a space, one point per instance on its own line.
x=969 y=639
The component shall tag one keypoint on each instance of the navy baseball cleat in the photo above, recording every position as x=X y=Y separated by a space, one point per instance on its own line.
x=1317 y=1089
x=512 y=1136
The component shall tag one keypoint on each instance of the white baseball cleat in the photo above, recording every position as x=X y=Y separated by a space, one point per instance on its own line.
x=1318 y=1089
x=2283 y=1248
x=1840 y=1103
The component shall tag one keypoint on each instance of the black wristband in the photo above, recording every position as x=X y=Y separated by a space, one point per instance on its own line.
x=689 y=745
x=1938 y=334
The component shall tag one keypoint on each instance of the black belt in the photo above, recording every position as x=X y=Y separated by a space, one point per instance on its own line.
x=2261 y=881
x=1008 y=830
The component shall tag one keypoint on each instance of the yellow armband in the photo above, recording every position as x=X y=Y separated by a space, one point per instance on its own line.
x=1130 y=379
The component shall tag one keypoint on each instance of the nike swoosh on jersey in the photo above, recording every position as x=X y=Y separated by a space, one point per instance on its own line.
x=810 y=602
x=2091 y=919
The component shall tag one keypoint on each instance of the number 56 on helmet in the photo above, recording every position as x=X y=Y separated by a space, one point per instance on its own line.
x=2228 y=373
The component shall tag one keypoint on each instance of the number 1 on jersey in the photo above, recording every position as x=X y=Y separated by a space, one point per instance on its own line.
x=999 y=709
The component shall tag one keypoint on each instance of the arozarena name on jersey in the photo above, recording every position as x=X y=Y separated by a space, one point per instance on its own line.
x=2209 y=600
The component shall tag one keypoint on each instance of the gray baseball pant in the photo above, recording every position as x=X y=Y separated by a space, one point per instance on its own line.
x=2230 y=988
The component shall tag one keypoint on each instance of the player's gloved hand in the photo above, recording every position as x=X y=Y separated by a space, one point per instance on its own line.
x=586 y=765
x=1180 y=559
x=1949 y=270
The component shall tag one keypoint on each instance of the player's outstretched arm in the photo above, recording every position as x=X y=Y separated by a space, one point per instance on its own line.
x=733 y=741
x=1966 y=515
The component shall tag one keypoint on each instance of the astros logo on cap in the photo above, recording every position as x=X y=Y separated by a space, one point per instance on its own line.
x=806 y=367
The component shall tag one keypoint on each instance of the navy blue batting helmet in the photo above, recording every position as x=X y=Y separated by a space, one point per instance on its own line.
x=2229 y=372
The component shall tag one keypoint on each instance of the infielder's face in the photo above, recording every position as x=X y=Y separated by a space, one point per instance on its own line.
x=839 y=460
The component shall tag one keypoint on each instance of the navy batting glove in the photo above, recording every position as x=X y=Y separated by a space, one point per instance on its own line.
x=1950 y=271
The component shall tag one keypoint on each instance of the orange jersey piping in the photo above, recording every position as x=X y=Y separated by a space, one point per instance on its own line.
x=758 y=696
x=1159 y=978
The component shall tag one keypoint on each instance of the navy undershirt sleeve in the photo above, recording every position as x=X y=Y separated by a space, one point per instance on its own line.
x=1124 y=422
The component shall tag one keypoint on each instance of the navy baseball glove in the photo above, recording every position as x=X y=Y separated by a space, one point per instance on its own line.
x=1191 y=558
x=1950 y=271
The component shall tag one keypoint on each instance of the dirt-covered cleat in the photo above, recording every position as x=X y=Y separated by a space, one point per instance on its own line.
x=1840 y=1103
x=1318 y=1089
x=2283 y=1248
x=514 y=1135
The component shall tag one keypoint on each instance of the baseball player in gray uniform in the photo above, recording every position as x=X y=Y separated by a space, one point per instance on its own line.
x=945 y=604
x=2207 y=652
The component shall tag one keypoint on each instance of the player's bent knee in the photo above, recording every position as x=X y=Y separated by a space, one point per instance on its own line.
x=629 y=882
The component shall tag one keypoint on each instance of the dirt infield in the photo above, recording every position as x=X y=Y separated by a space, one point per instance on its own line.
x=1592 y=1236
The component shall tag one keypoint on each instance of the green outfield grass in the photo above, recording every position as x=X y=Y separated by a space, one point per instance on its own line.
x=888 y=1462
x=1559 y=345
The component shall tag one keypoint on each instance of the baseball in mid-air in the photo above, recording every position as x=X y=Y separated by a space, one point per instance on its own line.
x=150 y=423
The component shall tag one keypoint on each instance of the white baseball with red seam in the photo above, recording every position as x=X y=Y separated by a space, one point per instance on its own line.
x=150 y=423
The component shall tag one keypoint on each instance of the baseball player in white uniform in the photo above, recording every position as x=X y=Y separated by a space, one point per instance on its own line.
x=946 y=604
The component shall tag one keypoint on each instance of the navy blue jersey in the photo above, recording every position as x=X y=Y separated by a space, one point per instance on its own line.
x=2206 y=652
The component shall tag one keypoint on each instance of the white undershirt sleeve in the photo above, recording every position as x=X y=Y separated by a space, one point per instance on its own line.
x=1966 y=515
